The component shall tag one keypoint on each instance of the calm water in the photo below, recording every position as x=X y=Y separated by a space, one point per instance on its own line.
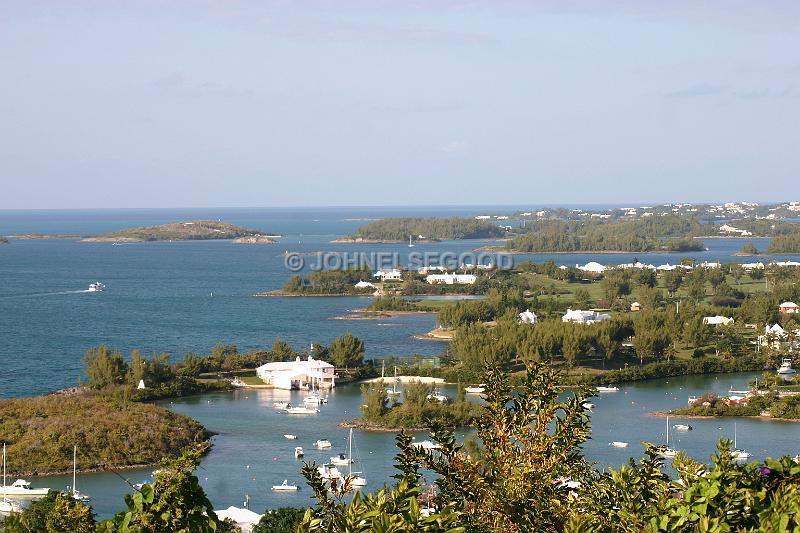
x=158 y=297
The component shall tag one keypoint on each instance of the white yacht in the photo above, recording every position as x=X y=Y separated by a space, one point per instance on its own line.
x=290 y=436
x=786 y=367
x=668 y=452
x=619 y=444
x=285 y=487
x=475 y=389
x=737 y=454
x=7 y=506
x=298 y=452
x=330 y=472
x=301 y=410
x=96 y=287
x=681 y=427
x=438 y=396
x=357 y=479
x=74 y=492
x=588 y=406
x=426 y=445
x=22 y=487
x=607 y=389
x=322 y=444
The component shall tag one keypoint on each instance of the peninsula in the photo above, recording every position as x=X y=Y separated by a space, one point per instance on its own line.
x=397 y=230
x=185 y=231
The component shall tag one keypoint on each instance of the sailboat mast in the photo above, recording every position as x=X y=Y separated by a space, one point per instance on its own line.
x=667 y=431
x=394 y=383
x=350 y=455
x=734 y=436
x=74 y=466
x=4 y=470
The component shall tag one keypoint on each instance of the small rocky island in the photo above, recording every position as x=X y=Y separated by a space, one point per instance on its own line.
x=186 y=231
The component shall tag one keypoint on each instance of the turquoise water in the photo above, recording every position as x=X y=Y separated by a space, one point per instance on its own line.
x=158 y=297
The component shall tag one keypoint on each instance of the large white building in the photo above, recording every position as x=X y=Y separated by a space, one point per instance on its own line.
x=298 y=373
x=450 y=279
x=584 y=317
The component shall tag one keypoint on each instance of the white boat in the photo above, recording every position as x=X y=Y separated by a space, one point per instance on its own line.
x=75 y=493
x=357 y=479
x=588 y=405
x=285 y=487
x=475 y=389
x=341 y=460
x=298 y=452
x=322 y=444
x=301 y=410
x=607 y=389
x=619 y=444
x=7 y=506
x=96 y=287
x=426 y=445
x=20 y=487
x=280 y=405
x=668 y=452
x=681 y=427
x=437 y=396
x=410 y=244
x=786 y=367
x=330 y=472
x=237 y=382
x=290 y=436
x=737 y=454
x=314 y=399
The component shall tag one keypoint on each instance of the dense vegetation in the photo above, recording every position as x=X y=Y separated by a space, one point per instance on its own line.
x=785 y=244
x=181 y=231
x=42 y=431
x=415 y=411
x=400 y=229
x=340 y=281
x=671 y=233
x=392 y=303
x=527 y=473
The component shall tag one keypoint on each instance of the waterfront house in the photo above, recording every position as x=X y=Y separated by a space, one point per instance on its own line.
x=392 y=274
x=788 y=308
x=527 y=317
x=298 y=373
x=584 y=317
x=717 y=320
x=451 y=279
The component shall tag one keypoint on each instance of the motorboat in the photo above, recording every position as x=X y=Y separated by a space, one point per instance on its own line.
x=322 y=444
x=607 y=389
x=96 y=287
x=237 y=382
x=280 y=405
x=681 y=427
x=290 y=437
x=619 y=444
x=357 y=480
x=301 y=410
x=22 y=487
x=285 y=487
x=786 y=367
x=475 y=389
x=7 y=506
x=314 y=399
x=588 y=406
x=329 y=472
x=438 y=396
x=341 y=460
x=298 y=452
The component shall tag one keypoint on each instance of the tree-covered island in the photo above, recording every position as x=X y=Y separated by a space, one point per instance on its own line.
x=183 y=231
x=395 y=230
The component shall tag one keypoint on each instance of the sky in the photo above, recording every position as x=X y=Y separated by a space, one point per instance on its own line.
x=212 y=103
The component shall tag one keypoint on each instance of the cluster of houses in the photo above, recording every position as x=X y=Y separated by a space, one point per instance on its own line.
x=593 y=267
x=577 y=316
x=443 y=278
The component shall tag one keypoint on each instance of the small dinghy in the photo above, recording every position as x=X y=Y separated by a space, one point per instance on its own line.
x=322 y=444
x=285 y=487
x=290 y=437
x=682 y=427
x=298 y=452
x=607 y=389
x=619 y=444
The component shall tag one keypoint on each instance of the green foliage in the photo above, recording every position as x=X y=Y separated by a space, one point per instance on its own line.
x=785 y=244
x=496 y=303
x=104 y=367
x=643 y=235
x=338 y=281
x=749 y=248
x=346 y=351
x=280 y=520
x=42 y=431
x=392 y=303
x=175 y=502
x=176 y=231
x=400 y=229
x=55 y=513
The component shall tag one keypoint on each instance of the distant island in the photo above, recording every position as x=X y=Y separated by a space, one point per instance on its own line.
x=186 y=231
x=396 y=230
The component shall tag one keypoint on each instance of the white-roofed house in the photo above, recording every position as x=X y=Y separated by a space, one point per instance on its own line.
x=451 y=279
x=392 y=274
x=244 y=518
x=592 y=267
x=773 y=336
x=527 y=317
x=298 y=373
x=717 y=320
x=788 y=308
x=584 y=317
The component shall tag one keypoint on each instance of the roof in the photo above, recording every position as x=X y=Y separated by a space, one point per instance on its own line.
x=239 y=515
x=295 y=365
x=788 y=304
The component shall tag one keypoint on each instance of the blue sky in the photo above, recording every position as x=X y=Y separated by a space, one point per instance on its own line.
x=234 y=103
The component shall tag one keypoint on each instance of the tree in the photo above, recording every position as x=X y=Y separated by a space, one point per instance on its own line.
x=174 y=503
x=673 y=280
x=582 y=298
x=347 y=351
x=281 y=351
x=715 y=276
x=749 y=248
x=376 y=401
x=55 y=513
x=280 y=520
x=104 y=367
x=192 y=365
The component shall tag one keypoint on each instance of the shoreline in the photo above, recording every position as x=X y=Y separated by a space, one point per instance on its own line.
x=662 y=414
x=365 y=314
